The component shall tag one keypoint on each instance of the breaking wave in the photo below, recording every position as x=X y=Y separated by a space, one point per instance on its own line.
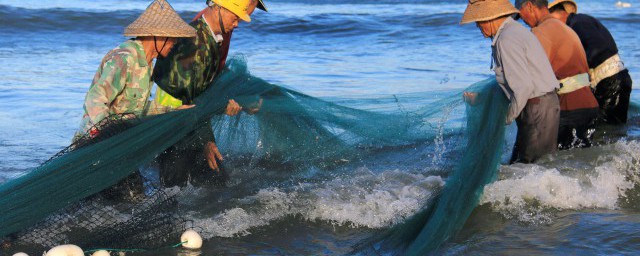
x=607 y=177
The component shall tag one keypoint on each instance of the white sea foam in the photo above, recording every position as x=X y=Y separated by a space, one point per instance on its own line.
x=370 y=200
x=364 y=200
x=272 y=204
x=573 y=180
x=529 y=192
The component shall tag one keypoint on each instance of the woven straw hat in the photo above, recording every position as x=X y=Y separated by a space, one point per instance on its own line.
x=569 y=5
x=484 y=10
x=160 y=20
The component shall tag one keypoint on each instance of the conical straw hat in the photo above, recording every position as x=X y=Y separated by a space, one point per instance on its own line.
x=569 y=5
x=160 y=20
x=484 y=10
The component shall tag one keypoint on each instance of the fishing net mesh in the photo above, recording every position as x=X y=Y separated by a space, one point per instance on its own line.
x=476 y=167
x=115 y=218
x=64 y=200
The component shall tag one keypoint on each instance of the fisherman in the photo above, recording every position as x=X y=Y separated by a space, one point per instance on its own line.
x=610 y=80
x=122 y=85
x=188 y=71
x=525 y=76
x=226 y=42
x=578 y=106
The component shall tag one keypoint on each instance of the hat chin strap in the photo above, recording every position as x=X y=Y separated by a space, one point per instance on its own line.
x=155 y=44
x=220 y=20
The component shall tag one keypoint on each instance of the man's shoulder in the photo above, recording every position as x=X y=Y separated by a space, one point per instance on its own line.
x=581 y=17
x=551 y=27
x=514 y=32
x=582 y=21
x=513 y=25
x=120 y=56
x=548 y=24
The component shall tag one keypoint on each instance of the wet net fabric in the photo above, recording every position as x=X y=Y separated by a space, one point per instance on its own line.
x=98 y=223
x=477 y=166
x=57 y=203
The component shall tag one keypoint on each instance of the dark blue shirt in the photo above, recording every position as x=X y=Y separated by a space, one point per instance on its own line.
x=596 y=39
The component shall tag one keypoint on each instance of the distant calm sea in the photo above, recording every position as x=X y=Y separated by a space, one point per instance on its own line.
x=580 y=202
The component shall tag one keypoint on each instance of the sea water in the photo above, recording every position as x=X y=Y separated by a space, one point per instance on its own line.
x=363 y=54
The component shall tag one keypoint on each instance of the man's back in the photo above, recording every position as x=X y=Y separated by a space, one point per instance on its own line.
x=598 y=43
x=563 y=47
x=568 y=59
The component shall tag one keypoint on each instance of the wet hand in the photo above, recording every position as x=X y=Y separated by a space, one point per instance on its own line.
x=93 y=132
x=470 y=97
x=212 y=154
x=233 y=108
x=185 y=107
x=255 y=108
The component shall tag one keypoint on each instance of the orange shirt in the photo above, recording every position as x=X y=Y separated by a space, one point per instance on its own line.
x=567 y=57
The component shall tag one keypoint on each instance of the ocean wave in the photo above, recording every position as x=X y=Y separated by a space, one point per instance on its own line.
x=366 y=200
x=290 y=20
x=109 y=5
x=629 y=18
x=532 y=193
x=30 y=20
x=350 y=25
x=182 y=5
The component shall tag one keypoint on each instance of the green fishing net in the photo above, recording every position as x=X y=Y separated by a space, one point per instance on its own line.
x=477 y=166
x=61 y=200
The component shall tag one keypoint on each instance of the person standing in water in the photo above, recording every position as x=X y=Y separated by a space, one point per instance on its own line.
x=122 y=85
x=610 y=79
x=187 y=72
x=525 y=76
x=579 y=108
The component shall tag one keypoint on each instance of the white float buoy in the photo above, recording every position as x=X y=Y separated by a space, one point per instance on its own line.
x=21 y=254
x=191 y=239
x=101 y=253
x=65 y=250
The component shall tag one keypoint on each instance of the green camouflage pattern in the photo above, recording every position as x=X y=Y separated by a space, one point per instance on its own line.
x=191 y=65
x=121 y=85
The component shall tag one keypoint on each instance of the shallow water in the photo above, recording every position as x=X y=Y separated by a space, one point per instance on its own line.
x=358 y=54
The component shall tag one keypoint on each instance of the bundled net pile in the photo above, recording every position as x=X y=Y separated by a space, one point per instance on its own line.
x=56 y=203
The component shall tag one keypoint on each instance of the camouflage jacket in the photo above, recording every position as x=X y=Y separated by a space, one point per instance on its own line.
x=121 y=85
x=191 y=65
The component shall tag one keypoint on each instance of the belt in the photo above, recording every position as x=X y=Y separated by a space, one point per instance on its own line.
x=608 y=68
x=574 y=83
x=537 y=100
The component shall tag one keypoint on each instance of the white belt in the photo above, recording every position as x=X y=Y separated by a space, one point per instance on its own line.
x=608 y=68
x=573 y=83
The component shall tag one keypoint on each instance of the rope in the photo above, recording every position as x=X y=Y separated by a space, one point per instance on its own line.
x=136 y=250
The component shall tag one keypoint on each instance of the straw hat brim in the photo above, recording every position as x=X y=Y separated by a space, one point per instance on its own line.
x=160 y=19
x=487 y=10
x=136 y=32
x=569 y=5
